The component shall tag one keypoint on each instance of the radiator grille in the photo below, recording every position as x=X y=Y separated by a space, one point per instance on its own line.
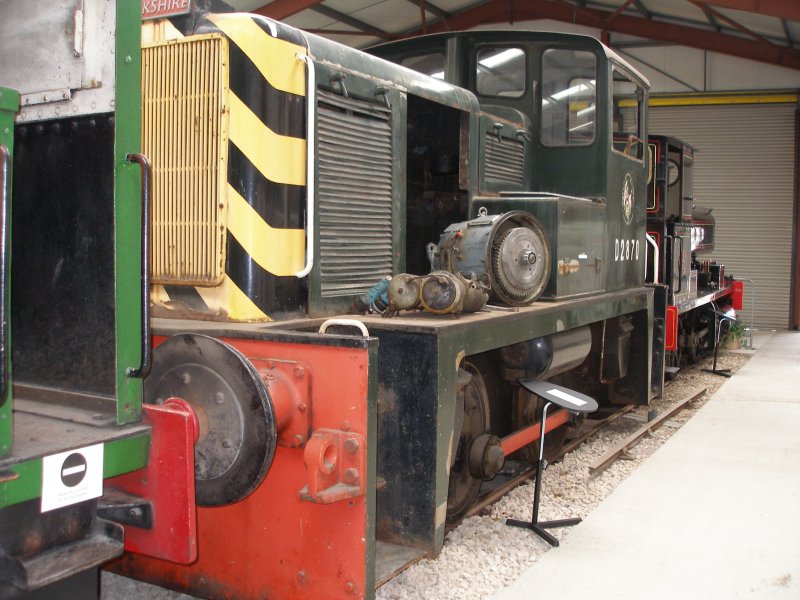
x=184 y=86
x=355 y=194
x=504 y=160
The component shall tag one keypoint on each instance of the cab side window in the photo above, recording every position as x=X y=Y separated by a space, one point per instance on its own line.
x=627 y=116
x=569 y=98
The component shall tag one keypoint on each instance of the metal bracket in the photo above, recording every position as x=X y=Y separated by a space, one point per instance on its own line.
x=289 y=385
x=336 y=466
x=125 y=509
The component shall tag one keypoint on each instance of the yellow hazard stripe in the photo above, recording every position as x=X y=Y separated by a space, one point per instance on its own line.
x=278 y=251
x=280 y=158
x=276 y=59
x=228 y=300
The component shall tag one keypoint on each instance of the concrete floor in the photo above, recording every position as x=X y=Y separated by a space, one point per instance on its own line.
x=713 y=514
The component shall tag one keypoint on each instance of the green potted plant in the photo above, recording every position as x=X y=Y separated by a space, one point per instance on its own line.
x=732 y=336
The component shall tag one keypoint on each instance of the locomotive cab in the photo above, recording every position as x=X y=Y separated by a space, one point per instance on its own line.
x=562 y=115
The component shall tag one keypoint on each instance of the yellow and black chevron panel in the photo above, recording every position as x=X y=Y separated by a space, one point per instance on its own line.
x=265 y=191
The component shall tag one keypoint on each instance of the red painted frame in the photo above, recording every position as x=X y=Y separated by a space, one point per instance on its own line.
x=671 y=329
x=273 y=544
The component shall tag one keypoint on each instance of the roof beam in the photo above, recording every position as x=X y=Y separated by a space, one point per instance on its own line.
x=643 y=9
x=787 y=33
x=619 y=11
x=738 y=26
x=283 y=9
x=499 y=11
x=712 y=20
x=348 y=20
x=787 y=9
x=431 y=8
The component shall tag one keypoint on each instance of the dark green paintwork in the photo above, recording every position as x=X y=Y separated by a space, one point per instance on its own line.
x=576 y=233
x=590 y=171
x=9 y=105
x=127 y=211
x=120 y=456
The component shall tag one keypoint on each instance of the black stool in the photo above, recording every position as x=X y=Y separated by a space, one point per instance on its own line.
x=573 y=402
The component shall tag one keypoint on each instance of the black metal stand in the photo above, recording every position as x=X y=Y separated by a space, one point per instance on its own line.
x=534 y=525
x=718 y=320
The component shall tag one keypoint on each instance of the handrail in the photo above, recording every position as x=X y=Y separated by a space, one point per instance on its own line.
x=656 y=262
x=147 y=352
x=5 y=256
x=345 y=323
x=311 y=104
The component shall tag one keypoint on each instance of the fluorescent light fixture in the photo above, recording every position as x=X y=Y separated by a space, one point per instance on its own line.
x=588 y=124
x=500 y=58
x=585 y=111
x=570 y=91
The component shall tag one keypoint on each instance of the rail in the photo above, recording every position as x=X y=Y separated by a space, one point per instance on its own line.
x=621 y=449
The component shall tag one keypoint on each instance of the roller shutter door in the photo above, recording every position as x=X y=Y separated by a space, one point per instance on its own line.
x=744 y=170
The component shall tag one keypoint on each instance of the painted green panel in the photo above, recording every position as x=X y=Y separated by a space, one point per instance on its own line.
x=119 y=457
x=9 y=105
x=127 y=210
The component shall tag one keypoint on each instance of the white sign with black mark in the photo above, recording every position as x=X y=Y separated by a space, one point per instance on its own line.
x=72 y=477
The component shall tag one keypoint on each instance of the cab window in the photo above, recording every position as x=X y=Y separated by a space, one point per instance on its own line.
x=627 y=116
x=500 y=71
x=568 y=98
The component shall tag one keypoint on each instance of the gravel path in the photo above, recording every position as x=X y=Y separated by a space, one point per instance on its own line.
x=483 y=555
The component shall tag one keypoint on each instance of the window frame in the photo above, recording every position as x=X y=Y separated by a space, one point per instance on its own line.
x=540 y=98
x=502 y=46
x=640 y=104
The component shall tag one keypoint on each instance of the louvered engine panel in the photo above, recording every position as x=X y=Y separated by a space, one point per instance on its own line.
x=504 y=160
x=184 y=133
x=355 y=194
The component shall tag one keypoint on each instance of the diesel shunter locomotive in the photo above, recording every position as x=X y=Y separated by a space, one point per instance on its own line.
x=271 y=296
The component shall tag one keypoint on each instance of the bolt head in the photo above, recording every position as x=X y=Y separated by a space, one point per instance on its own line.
x=351 y=445
x=351 y=475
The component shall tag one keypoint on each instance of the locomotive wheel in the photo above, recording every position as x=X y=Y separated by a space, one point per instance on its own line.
x=463 y=486
x=238 y=433
x=528 y=410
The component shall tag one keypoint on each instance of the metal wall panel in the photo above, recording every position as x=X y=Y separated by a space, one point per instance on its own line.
x=744 y=170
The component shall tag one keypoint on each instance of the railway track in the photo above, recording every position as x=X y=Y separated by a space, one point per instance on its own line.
x=517 y=480
x=618 y=451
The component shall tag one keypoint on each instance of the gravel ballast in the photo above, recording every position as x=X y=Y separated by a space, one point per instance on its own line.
x=483 y=555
